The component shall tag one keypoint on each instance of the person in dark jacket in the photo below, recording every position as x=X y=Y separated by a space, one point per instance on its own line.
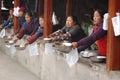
x=38 y=33
x=9 y=22
x=71 y=31
x=21 y=19
x=99 y=35
x=29 y=27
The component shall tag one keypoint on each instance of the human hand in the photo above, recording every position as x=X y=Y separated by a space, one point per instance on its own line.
x=28 y=38
x=74 y=44
x=53 y=39
x=6 y=27
x=12 y=35
x=15 y=40
x=38 y=42
x=26 y=43
x=0 y=26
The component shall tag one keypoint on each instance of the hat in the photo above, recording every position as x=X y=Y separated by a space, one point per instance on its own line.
x=22 y=9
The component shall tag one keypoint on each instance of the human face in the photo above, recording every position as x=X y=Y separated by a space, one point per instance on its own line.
x=11 y=12
x=27 y=18
x=41 y=22
x=97 y=18
x=69 y=22
x=21 y=13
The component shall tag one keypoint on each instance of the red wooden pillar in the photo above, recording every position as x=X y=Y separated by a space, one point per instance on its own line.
x=69 y=7
x=48 y=9
x=0 y=13
x=16 y=3
x=41 y=7
x=113 y=46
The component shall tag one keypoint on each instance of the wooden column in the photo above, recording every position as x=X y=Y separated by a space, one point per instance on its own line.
x=41 y=7
x=16 y=3
x=0 y=13
x=113 y=46
x=48 y=9
x=69 y=7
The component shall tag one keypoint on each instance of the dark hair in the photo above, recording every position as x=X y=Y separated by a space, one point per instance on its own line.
x=101 y=12
x=41 y=16
x=29 y=14
x=74 y=18
x=11 y=8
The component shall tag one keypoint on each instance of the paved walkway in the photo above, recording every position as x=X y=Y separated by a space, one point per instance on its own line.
x=11 y=70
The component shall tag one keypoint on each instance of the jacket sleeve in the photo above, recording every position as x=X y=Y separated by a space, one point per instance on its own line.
x=74 y=30
x=66 y=35
x=87 y=41
x=10 y=24
x=32 y=39
x=58 y=32
x=34 y=31
x=36 y=36
x=17 y=31
x=21 y=33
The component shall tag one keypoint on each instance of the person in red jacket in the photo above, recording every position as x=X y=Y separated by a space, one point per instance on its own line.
x=99 y=35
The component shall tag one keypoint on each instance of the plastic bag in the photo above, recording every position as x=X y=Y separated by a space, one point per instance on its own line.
x=48 y=48
x=33 y=50
x=116 y=24
x=2 y=33
x=12 y=49
x=16 y=11
x=105 y=21
x=54 y=19
x=72 y=57
x=8 y=46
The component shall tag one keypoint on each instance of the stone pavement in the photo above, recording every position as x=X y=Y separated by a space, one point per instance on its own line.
x=12 y=70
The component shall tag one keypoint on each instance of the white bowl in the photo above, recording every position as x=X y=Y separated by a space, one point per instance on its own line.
x=20 y=47
x=11 y=41
x=67 y=44
x=47 y=39
x=9 y=37
x=101 y=57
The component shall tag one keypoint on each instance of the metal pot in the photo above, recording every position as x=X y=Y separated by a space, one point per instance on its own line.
x=62 y=47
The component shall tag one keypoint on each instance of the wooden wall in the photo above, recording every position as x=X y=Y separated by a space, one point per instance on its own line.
x=80 y=8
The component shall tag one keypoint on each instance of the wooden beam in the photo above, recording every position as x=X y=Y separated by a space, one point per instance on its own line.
x=41 y=7
x=0 y=13
x=16 y=3
x=69 y=7
x=113 y=46
x=48 y=9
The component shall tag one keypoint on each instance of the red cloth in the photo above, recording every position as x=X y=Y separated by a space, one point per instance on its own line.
x=32 y=39
x=102 y=44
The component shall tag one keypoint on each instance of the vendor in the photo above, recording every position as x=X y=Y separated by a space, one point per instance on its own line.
x=71 y=31
x=9 y=22
x=99 y=35
x=39 y=32
x=29 y=27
